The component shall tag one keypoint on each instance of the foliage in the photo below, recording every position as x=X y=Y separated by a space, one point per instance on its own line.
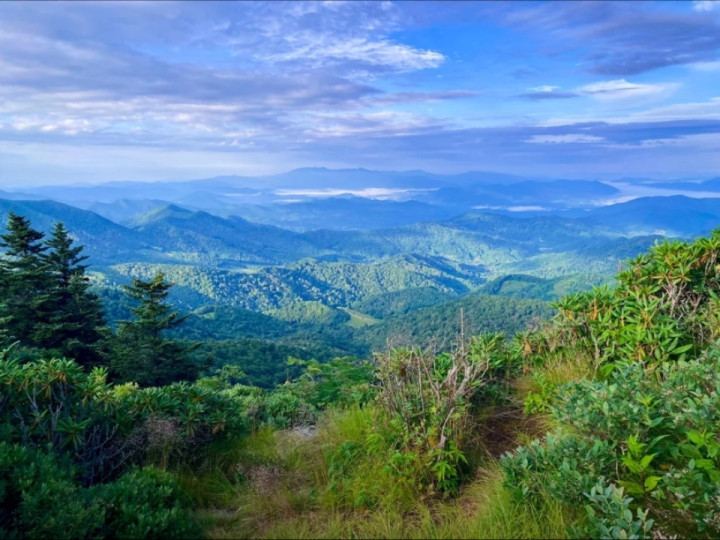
x=144 y=503
x=400 y=302
x=548 y=289
x=280 y=409
x=634 y=448
x=663 y=308
x=264 y=363
x=40 y=496
x=76 y=321
x=655 y=436
x=23 y=282
x=438 y=325
x=45 y=301
x=342 y=381
x=426 y=399
x=330 y=486
x=55 y=403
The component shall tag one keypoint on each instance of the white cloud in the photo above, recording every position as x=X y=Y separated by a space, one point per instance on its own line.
x=705 y=5
x=704 y=110
x=706 y=66
x=543 y=88
x=621 y=89
x=322 y=49
x=569 y=138
x=701 y=110
x=697 y=141
x=368 y=193
x=376 y=123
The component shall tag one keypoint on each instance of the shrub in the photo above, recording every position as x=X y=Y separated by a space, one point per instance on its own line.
x=656 y=435
x=426 y=399
x=144 y=503
x=41 y=497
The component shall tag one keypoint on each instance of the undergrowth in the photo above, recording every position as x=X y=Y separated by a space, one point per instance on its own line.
x=289 y=487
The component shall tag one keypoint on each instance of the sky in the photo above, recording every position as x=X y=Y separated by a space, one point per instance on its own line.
x=96 y=92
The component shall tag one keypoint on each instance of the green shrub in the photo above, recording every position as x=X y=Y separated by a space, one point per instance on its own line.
x=664 y=307
x=144 y=503
x=656 y=435
x=41 y=497
x=425 y=400
x=340 y=382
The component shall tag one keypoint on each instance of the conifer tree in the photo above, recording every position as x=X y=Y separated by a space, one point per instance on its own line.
x=141 y=352
x=76 y=318
x=23 y=282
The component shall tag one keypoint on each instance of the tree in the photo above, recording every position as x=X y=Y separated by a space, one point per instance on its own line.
x=23 y=282
x=141 y=353
x=76 y=319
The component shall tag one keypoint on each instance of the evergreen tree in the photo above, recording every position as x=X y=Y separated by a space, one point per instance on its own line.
x=23 y=282
x=141 y=353
x=76 y=320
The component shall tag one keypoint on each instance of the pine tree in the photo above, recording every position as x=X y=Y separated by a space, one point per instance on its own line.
x=141 y=353
x=76 y=321
x=23 y=282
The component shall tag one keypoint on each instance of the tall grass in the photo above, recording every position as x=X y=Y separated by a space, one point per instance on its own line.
x=485 y=510
x=282 y=489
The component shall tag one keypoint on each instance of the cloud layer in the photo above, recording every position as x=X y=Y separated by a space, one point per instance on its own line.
x=124 y=90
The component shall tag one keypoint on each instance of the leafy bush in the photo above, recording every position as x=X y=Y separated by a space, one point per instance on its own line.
x=144 y=503
x=426 y=399
x=340 y=382
x=104 y=428
x=40 y=497
x=664 y=307
x=656 y=435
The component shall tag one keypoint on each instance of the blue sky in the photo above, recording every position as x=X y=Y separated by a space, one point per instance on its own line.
x=93 y=92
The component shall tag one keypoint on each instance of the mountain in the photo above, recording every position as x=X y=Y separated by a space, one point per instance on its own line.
x=335 y=284
x=674 y=216
x=439 y=325
x=533 y=287
x=280 y=267
x=320 y=198
x=200 y=237
x=712 y=184
x=555 y=194
x=105 y=242
x=18 y=196
x=381 y=306
x=342 y=213
x=124 y=210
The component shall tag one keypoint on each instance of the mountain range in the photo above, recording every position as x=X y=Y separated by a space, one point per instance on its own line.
x=366 y=253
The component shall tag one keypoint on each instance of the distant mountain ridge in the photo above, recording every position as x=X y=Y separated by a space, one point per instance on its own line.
x=233 y=261
x=319 y=198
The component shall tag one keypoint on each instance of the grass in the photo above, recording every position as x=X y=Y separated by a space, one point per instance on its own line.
x=359 y=320
x=558 y=370
x=486 y=509
x=279 y=487
x=279 y=484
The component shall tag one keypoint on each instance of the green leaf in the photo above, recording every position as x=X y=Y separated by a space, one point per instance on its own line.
x=645 y=461
x=683 y=348
x=690 y=451
x=705 y=464
x=651 y=482
x=696 y=438
x=632 y=487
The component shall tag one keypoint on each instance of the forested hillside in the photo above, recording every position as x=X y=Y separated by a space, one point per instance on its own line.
x=333 y=292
